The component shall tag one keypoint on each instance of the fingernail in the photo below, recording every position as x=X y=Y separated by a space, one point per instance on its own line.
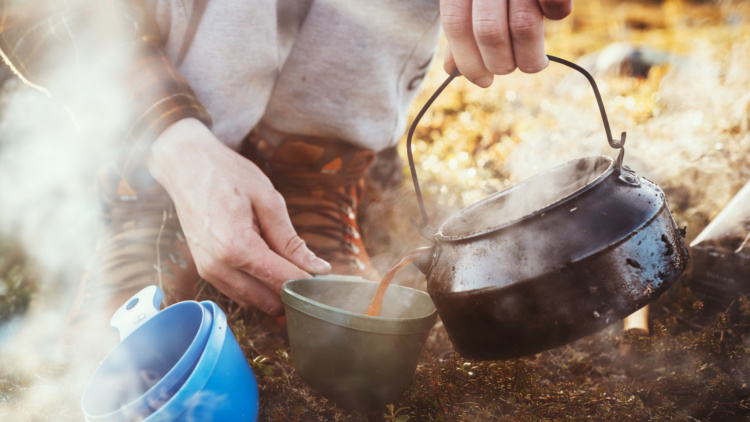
x=318 y=266
x=484 y=81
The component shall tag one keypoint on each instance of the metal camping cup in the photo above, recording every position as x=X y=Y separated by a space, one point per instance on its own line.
x=554 y=258
x=361 y=362
x=179 y=364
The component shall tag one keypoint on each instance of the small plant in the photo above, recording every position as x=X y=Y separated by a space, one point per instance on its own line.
x=259 y=364
x=467 y=369
x=242 y=332
x=393 y=414
x=284 y=355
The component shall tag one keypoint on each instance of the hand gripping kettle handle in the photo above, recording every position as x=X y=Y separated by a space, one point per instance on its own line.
x=137 y=310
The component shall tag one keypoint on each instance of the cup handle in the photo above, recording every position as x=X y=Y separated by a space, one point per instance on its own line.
x=137 y=310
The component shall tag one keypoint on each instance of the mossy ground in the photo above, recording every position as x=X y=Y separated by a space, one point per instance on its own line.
x=688 y=131
x=695 y=365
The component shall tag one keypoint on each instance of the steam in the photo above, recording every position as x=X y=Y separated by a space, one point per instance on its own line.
x=49 y=156
x=691 y=146
x=532 y=195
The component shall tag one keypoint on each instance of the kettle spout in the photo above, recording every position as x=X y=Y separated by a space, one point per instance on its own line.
x=425 y=260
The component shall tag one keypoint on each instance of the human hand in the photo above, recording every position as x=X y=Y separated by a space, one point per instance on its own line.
x=235 y=222
x=493 y=37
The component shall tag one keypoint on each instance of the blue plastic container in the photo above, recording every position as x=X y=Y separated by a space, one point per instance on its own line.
x=154 y=358
x=221 y=388
x=216 y=383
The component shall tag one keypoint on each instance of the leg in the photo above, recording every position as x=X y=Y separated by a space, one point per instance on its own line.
x=342 y=94
x=139 y=241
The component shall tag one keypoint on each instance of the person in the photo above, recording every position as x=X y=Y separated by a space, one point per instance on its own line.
x=250 y=125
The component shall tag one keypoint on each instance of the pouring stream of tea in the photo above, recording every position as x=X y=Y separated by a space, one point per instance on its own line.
x=406 y=259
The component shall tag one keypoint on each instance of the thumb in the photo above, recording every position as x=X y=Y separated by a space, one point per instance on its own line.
x=279 y=234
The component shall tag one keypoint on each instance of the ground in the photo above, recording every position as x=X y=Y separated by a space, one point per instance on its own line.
x=687 y=115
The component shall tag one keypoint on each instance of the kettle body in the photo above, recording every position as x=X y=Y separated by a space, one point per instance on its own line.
x=598 y=245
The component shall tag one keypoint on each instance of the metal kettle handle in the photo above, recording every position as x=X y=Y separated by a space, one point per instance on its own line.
x=614 y=143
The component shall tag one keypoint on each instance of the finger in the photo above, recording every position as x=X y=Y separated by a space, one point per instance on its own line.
x=280 y=235
x=247 y=291
x=456 y=18
x=556 y=9
x=265 y=265
x=527 y=33
x=490 y=24
x=449 y=64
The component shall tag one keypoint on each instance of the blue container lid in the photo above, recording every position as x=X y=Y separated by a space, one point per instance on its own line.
x=150 y=364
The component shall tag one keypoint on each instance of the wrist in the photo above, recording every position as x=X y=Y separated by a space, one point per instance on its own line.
x=173 y=149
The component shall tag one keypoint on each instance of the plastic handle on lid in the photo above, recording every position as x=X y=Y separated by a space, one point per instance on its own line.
x=137 y=310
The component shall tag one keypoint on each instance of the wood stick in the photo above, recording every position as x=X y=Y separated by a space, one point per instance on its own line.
x=638 y=320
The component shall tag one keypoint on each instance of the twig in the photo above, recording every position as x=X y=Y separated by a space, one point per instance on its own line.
x=158 y=248
x=437 y=397
x=689 y=323
x=730 y=306
x=596 y=401
x=202 y=288
x=744 y=242
x=467 y=402
x=685 y=321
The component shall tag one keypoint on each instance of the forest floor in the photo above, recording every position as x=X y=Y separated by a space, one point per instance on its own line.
x=687 y=115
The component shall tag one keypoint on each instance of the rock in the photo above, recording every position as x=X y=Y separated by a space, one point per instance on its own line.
x=624 y=59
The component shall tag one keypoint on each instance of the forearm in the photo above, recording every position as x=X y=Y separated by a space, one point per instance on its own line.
x=40 y=40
